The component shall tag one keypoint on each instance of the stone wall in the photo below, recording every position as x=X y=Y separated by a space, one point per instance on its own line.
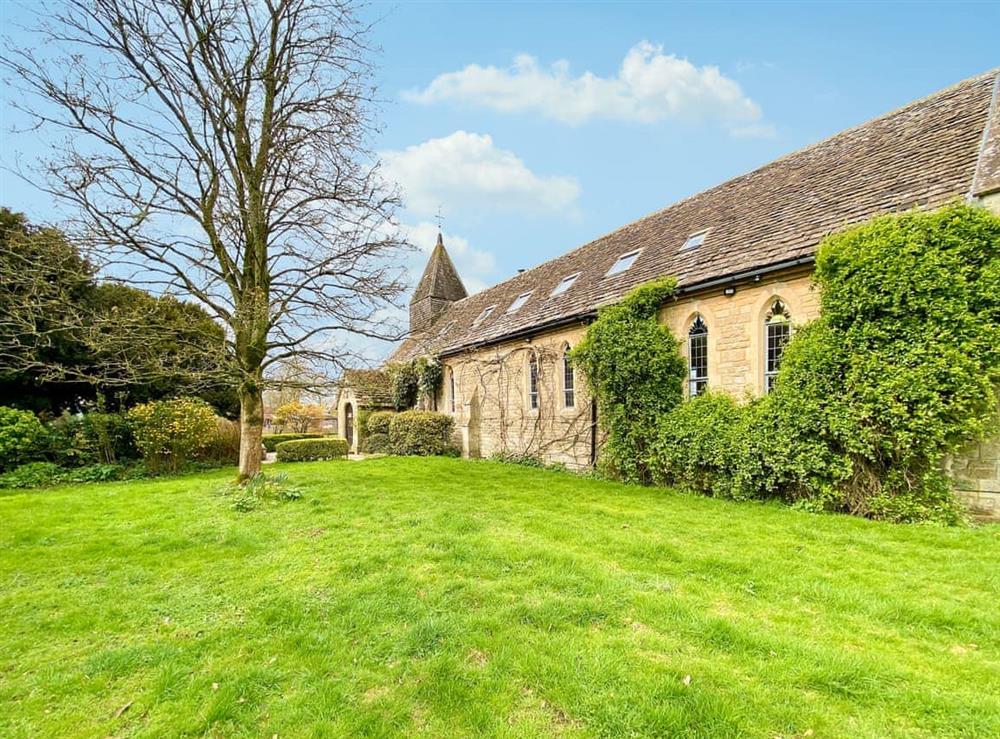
x=492 y=409
x=493 y=413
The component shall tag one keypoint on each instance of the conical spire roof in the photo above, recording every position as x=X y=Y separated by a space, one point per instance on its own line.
x=440 y=279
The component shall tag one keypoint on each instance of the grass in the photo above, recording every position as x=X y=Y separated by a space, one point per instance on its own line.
x=442 y=597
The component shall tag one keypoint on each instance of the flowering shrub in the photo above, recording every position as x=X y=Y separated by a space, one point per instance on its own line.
x=20 y=435
x=170 y=433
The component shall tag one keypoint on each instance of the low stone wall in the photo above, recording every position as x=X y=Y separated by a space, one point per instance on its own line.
x=976 y=475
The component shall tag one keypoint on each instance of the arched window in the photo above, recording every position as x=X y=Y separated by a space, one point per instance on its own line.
x=777 y=332
x=451 y=389
x=697 y=356
x=569 y=380
x=533 y=381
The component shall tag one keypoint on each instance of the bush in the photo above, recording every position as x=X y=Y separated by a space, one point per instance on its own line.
x=378 y=422
x=170 y=433
x=376 y=444
x=635 y=373
x=899 y=371
x=307 y=450
x=95 y=473
x=271 y=441
x=693 y=448
x=93 y=438
x=21 y=434
x=32 y=475
x=421 y=433
x=223 y=446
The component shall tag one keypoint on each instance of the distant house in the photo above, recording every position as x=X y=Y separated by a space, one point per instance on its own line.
x=743 y=254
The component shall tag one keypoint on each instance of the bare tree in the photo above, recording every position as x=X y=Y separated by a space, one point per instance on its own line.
x=218 y=149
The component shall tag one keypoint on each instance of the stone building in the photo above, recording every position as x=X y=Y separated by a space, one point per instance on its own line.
x=742 y=253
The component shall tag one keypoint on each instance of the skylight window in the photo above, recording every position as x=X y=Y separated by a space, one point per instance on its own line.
x=695 y=240
x=484 y=315
x=519 y=301
x=564 y=284
x=446 y=329
x=624 y=262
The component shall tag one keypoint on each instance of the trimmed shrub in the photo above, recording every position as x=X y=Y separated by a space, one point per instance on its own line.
x=271 y=441
x=307 y=450
x=376 y=444
x=21 y=434
x=421 y=433
x=378 y=422
x=170 y=433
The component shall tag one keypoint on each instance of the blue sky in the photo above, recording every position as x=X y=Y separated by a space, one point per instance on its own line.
x=491 y=113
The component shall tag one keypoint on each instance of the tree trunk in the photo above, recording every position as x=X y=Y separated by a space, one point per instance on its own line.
x=251 y=430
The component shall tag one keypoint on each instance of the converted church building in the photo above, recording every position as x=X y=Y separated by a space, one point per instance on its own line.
x=742 y=253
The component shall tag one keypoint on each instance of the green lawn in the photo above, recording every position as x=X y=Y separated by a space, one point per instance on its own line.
x=442 y=597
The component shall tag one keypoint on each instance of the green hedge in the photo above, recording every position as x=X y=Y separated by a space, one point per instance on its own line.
x=271 y=441
x=307 y=450
x=421 y=433
x=376 y=444
x=378 y=422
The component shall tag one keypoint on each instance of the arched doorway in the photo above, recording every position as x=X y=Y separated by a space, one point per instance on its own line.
x=349 y=425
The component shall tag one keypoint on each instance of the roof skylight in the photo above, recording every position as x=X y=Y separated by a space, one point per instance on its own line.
x=624 y=262
x=695 y=240
x=484 y=315
x=564 y=284
x=519 y=301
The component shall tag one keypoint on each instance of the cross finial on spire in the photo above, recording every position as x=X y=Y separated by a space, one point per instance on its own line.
x=439 y=218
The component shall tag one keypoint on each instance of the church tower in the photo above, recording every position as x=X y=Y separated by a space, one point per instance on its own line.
x=439 y=287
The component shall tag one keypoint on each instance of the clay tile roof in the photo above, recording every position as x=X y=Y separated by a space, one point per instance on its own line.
x=922 y=155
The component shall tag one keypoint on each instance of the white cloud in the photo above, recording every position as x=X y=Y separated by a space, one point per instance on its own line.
x=466 y=171
x=650 y=86
x=475 y=267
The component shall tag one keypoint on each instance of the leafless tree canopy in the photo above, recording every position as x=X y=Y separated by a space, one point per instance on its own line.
x=218 y=149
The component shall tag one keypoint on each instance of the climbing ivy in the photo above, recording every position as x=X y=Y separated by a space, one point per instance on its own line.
x=900 y=371
x=635 y=373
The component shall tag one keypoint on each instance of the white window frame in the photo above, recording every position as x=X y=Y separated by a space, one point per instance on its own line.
x=629 y=256
x=699 y=235
x=568 y=281
x=568 y=373
x=778 y=308
x=519 y=302
x=484 y=315
x=534 y=381
x=696 y=382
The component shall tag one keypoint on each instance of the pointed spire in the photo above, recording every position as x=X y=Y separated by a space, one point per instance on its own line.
x=439 y=286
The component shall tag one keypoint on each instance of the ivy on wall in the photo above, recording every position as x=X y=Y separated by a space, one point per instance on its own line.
x=900 y=370
x=635 y=373
x=413 y=379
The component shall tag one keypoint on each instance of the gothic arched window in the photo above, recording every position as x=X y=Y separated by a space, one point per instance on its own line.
x=533 y=381
x=777 y=332
x=697 y=357
x=451 y=389
x=569 y=380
